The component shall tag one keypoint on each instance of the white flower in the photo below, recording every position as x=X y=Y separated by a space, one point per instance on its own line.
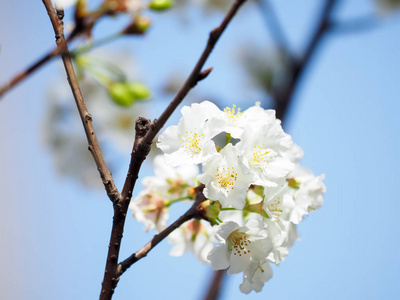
x=235 y=120
x=255 y=276
x=225 y=178
x=151 y=205
x=308 y=194
x=150 y=209
x=174 y=180
x=134 y=6
x=277 y=203
x=266 y=150
x=190 y=141
x=240 y=246
x=62 y=4
x=193 y=236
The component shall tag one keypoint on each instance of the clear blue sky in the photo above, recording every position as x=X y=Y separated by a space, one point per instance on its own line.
x=54 y=232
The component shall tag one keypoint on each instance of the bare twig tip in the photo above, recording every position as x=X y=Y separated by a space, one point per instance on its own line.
x=203 y=74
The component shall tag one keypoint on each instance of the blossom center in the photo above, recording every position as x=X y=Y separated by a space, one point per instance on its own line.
x=260 y=157
x=275 y=208
x=191 y=141
x=238 y=243
x=226 y=177
x=232 y=114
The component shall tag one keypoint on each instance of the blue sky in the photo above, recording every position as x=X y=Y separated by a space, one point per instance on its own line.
x=54 y=232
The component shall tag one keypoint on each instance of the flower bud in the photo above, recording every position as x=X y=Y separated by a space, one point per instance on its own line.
x=256 y=208
x=120 y=94
x=139 y=25
x=160 y=4
x=293 y=183
x=127 y=93
x=212 y=209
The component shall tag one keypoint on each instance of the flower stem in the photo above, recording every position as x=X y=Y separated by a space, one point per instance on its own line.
x=169 y=202
x=91 y=45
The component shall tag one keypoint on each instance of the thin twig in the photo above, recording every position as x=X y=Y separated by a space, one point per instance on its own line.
x=86 y=118
x=139 y=152
x=195 y=212
x=84 y=25
x=35 y=66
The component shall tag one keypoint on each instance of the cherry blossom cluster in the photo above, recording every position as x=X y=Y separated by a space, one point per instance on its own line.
x=256 y=190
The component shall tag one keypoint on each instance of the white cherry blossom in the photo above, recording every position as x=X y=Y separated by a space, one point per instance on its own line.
x=264 y=151
x=149 y=208
x=239 y=246
x=190 y=142
x=255 y=276
x=307 y=193
x=225 y=178
x=194 y=236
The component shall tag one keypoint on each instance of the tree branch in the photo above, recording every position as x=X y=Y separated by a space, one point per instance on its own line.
x=139 y=152
x=35 y=66
x=215 y=285
x=86 y=118
x=285 y=94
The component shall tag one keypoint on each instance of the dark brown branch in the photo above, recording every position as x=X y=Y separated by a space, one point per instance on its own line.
x=140 y=150
x=285 y=94
x=86 y=118
x=139 y=153
x=215 y=285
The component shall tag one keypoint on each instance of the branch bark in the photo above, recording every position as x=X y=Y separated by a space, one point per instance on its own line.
x=94 y=148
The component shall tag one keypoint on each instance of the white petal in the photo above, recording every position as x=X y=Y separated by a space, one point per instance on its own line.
x=218 y=257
